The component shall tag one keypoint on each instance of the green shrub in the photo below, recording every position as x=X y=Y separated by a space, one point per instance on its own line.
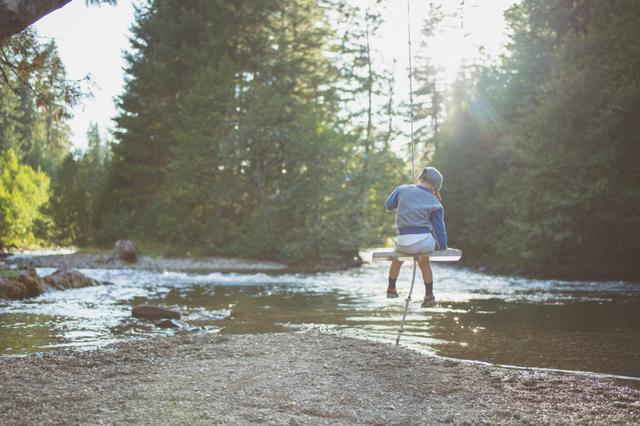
x=23 y=192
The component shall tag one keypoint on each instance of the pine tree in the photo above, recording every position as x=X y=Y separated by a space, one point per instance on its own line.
x=170 y=41
x=574 y=148
x=429 y=93
x=35 y=98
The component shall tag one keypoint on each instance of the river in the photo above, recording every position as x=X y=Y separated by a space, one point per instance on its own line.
x=579 y=326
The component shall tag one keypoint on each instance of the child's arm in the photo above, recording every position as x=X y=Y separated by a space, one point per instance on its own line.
x=392 y=200
x=437 y=220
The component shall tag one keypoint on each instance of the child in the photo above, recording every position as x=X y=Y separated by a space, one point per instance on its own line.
x=419 y=212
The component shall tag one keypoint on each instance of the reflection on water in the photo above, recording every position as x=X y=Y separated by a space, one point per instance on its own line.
x=554 y=324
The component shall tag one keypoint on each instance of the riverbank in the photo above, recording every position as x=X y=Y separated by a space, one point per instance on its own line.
x=487 y=265
x=105 y=260
x=292 y=378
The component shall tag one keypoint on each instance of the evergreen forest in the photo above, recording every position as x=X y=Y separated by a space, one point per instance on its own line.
x=262 y=129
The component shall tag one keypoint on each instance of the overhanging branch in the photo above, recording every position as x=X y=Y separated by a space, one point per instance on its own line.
x=16 y=15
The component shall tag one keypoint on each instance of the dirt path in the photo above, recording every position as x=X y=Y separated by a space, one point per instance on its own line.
x=292 y=379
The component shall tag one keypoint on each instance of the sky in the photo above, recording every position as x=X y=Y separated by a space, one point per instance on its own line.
x=91 y=41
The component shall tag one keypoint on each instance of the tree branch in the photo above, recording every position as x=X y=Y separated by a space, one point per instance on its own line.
x=16 y=15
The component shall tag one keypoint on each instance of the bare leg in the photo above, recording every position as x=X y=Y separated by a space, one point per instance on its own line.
x=427 y=277
x=394 y=270
x=425 y=267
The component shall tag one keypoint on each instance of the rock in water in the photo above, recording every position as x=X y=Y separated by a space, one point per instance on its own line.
x=21 y=284
x=4 y=253
x=154 y=312
x=16 y=285
x=32 y=283
x=171 y=323
x=12 y=289
x=126 y=251
x=69 y=278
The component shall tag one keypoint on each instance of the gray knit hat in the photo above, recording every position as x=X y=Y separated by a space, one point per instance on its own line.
x=433 y=176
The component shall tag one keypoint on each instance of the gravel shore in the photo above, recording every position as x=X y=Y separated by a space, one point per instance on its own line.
x=292 y=378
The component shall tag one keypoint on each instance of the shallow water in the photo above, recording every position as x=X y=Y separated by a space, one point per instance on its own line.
x=584 y=326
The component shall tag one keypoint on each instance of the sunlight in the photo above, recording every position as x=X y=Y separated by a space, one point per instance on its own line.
x=469 y=30
x=449 y=50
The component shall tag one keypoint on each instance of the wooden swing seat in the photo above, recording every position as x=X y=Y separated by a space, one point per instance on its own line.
x=448 y=255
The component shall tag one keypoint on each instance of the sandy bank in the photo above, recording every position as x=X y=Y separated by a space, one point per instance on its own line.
x=291 y=379
x=105 y=261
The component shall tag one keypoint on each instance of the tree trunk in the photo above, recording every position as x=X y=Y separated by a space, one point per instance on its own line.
x=367 y=145
x=258 y=175
x=16 y=15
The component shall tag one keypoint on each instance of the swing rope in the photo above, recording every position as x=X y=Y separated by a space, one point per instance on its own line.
x=413 y=167
x=413 y=152
x=407 y=300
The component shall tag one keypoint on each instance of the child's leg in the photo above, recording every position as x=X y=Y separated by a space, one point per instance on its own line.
x=394 y=271
x=427 y=276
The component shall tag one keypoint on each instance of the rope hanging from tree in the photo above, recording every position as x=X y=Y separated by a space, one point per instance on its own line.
x=448 y=255
x=413 y=167
x=411 y=117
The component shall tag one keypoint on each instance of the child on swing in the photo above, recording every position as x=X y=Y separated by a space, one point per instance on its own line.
x=419 y=215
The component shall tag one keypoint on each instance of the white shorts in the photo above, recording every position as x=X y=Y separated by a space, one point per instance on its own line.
x=422 y=246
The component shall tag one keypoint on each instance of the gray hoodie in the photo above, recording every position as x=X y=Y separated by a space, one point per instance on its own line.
x=418 y=211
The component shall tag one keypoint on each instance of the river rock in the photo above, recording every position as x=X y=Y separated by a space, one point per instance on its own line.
x=150 y=312
x=125 y=250
x=69 y=278
x=12 y=289
x=171 y=323
x=21 y=284
x=4 y=253
x=32 y=283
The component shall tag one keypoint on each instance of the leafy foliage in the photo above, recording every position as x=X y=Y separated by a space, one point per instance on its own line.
x=262 y=129
x=23 y=192
x=77 y=191
x=542 y=175
x=35 y=98
x=235 y=142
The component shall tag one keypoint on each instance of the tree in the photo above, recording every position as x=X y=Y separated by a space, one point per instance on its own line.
x=233 y=143
x=198 y=207
x=171 y=42
x=575 y=147
x=532 y=147
x=69 y=206
x=16 y=15
x=429 y=95
x=23 y=192
x=34 y=102
x=76 y=192
x=365 y=92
